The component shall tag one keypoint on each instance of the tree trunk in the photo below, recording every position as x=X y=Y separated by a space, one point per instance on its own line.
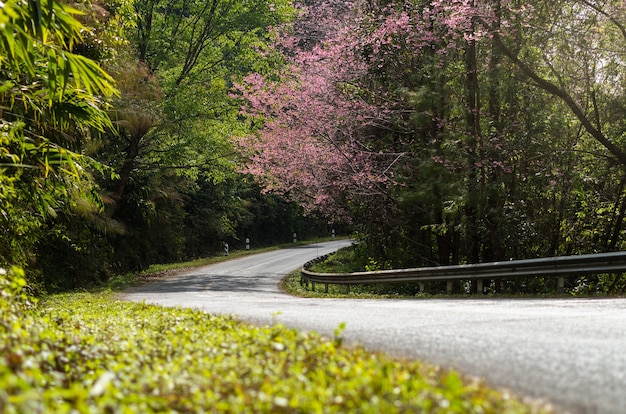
x=619 y=219
x=472 y=145
x=132 y=152
x=144 y=31
x=494 y=249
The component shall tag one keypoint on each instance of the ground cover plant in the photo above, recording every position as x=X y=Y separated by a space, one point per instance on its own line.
x=89 y=352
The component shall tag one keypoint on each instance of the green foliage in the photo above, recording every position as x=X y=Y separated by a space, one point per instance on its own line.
x=530 y=182
x=193 y=51
x=344 y=260
x=176 y=194
x=87 y=352
x=602 y=285
x=349 y=259
x=51 y=99
x=495 y=161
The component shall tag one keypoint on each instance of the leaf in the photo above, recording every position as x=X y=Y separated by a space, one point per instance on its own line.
x=101 y=384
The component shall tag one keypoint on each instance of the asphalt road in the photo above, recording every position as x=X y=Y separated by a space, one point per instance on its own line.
x=571 y=352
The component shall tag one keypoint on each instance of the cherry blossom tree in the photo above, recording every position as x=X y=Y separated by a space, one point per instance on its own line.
x=313 y=144
x=447 y=123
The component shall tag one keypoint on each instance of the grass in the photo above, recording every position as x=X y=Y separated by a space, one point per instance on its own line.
x=90 y=353
x=87 y=352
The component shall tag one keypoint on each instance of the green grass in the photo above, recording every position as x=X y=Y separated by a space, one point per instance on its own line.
x=342 y=261
x=90 y=353
x=293 y=285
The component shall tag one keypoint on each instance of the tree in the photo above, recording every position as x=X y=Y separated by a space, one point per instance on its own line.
x=173 y=118
x=467 y=159
x=52 y=100
x=319 y=110
x=590 y=59
x=189 y=53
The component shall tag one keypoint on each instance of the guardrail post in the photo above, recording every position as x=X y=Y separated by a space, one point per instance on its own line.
x=422 y=287
x=347 y=289
x=313 y=286
x=325 y=287
x=560 y=284
x=449 y=287
x=479 y=286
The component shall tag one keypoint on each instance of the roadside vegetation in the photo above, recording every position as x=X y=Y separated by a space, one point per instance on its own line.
x=351 y=259
x=126 y=144
x=89 y=352
x=151 y=131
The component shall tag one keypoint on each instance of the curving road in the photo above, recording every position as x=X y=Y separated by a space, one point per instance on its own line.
x=571 y=352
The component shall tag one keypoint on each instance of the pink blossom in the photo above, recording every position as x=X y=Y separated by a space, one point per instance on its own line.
x=314 y=118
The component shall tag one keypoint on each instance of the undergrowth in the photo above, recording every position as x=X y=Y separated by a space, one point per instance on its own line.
x=348 y=260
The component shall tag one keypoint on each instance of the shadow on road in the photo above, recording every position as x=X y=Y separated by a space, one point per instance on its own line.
x=211 y=283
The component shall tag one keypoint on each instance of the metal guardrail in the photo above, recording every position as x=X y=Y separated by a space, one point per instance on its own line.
x=560 y=267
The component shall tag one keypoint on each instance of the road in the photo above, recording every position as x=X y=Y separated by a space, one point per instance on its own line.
x=571 y=352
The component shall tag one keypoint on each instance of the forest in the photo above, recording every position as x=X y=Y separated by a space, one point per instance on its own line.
x=434 y=132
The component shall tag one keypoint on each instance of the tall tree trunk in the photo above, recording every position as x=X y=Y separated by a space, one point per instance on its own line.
x=137 y=126
x=132 y=151
x=494 y=249
x=472 y=145
x=144 y=30
x=618 y=220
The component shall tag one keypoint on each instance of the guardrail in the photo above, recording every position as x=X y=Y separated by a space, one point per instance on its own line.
x=559 y=267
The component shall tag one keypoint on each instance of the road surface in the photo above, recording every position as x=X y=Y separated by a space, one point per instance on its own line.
x=571 y=352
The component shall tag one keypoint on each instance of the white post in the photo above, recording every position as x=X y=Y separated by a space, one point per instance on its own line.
x=295 y=238
x=247 y=244
x=333 y=233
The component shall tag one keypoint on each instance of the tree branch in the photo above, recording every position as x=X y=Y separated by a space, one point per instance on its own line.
x=562 y=94
x=613 y=20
